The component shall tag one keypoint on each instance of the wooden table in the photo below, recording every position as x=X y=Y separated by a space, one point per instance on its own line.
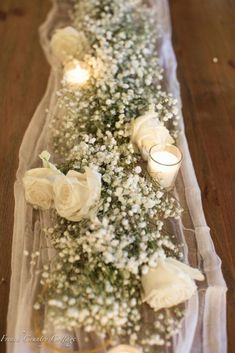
x=23 y=78
x=203 y=30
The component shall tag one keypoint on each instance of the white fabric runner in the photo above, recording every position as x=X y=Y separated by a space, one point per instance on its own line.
x=204 y=325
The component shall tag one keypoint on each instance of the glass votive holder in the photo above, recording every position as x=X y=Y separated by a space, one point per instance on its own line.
x=163 y=164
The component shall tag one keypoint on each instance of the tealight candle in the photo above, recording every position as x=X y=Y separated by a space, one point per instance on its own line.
x=163 y=164
x=75 y=75
x=123 y=348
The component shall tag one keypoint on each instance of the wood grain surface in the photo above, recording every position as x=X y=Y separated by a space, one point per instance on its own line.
x=202 y=30
x=23 y=78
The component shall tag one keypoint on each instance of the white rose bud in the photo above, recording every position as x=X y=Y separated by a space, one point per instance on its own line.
x=148 y=131
x=76 y=195
x=67 y=43
x=38 y=187
x=170 y=283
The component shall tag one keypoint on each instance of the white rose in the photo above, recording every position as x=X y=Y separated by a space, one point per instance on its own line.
x=38 y=187
x=68 y=42
x=169 y=284
x=76 y=194
x=147 y=131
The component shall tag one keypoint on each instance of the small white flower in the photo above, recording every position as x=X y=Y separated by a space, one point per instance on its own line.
x=150 y=203
x=38 y=187
x=73 y=313
x=138 y=169
x=72 y=301
x=56 y=303
x=147 y=131
x=67 y=42
x=171 y=282
x=76 y=194
x=36 y=306
x=145 y=270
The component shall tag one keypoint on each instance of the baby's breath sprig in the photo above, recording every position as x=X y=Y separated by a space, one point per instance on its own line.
x=94 y=282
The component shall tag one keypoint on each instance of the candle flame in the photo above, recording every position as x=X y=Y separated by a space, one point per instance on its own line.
x=76 y=76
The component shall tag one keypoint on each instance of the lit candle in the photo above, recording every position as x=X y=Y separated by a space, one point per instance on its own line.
x=75 y=75
x=164 y=163
x=123 y=348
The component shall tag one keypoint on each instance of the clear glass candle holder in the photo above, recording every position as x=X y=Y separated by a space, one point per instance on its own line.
x=163 y=164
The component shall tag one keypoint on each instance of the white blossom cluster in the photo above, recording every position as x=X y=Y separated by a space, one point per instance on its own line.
x=94 y=282
x=132 y=211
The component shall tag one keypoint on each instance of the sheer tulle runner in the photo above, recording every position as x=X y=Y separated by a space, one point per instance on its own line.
x=204 y=324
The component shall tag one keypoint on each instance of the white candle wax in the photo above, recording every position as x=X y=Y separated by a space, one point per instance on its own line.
x=164 y=166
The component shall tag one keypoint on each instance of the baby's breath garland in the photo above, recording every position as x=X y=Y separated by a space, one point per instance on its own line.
x=94 y=282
